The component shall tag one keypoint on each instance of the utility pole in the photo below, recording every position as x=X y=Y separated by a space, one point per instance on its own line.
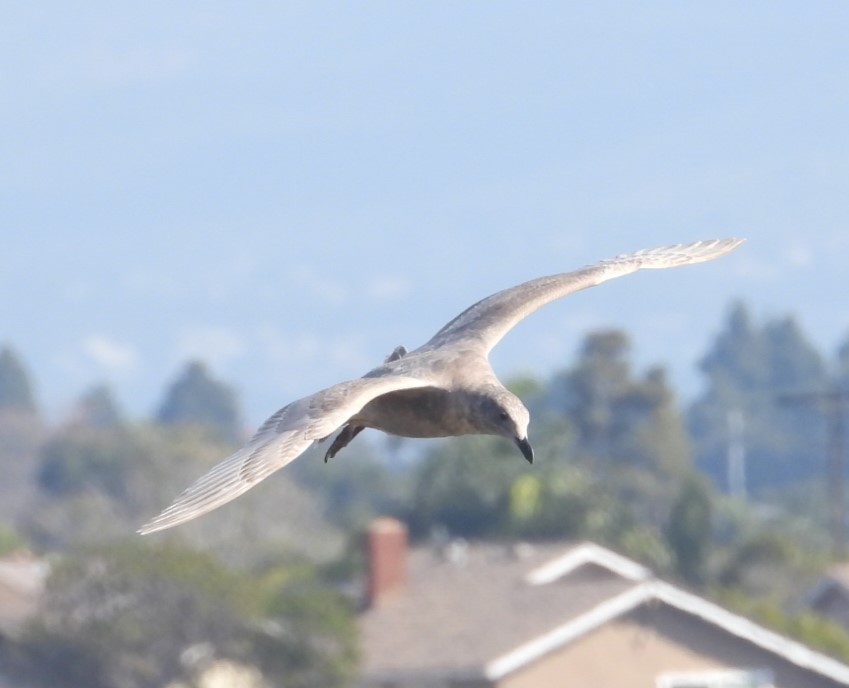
x=834 y=401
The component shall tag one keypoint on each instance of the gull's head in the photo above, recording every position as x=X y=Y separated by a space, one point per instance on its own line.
x=507 y=416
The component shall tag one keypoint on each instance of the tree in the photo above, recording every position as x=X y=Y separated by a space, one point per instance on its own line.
x=794 y=363
x=15 y=388
x=21 y=432
x=843 y=363
x=590 y=392
x=356 y=487
x=90 y=485
x=565 y=502
x=609 y=445
x=751 y=370
x=627 y=428
x=139 y=616
x=463 y=486
x=738 y=358
x=761 y=564
x=311 y=640
x=619 y=418
x=479 y=488
x=99 y=485
x=808 y=628
x=97 y=409
x=80 y=458
x=196 y=398
x=689 y=531
x=10 y=540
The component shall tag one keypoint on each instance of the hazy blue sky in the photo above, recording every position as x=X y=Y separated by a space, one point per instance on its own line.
x=290 y=190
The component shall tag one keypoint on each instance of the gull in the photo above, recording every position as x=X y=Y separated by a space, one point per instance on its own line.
x=445 y=388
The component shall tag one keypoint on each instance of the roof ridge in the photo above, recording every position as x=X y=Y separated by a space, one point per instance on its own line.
x=790 y=650
x=587 y=553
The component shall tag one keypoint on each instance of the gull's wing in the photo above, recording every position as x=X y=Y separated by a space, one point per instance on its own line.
x=280 y=440
x=490 y=319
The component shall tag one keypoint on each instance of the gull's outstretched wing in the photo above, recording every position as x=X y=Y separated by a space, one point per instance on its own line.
x=490 y=319
x=281 y=439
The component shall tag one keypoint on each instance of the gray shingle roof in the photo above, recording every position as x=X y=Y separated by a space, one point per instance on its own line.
x=484 y=611
x=460 y=612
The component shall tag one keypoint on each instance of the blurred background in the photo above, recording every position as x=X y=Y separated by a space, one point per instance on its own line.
x=212 y=209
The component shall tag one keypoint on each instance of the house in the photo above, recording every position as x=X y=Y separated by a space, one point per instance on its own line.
x=22 y=580
x=547 y=616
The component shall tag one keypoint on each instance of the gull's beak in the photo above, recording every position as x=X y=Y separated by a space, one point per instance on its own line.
x=526 y=448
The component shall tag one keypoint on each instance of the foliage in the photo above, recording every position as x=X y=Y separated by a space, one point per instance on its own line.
x=620 y=418
x=688 y=531
x=355 y=486
x=196 y=398
x=843 y=364
x=806 y=627
x=21 y=434
x=15 y=388
x=82 y=457
x=98 y=409
x=101 y=485
x=312 y=638
x=627 y=428
x=95 y=484
x=10 y=540
x=481 y=488
x=524 y=386
x=134 y=616
x=771 y=561
x=613 y=465
x=463 y=486
x=752 y=369
x=647 y=546
x=567 y=503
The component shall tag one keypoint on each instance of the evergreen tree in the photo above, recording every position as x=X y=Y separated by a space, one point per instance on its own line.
x=83 y=458
x=97 y=409
x=754 y=371
x=688 y=531
x=21 y=433
x=15 y=389
x=738 y=358
x=842 y=368
x=627 y=428
x=794 y=363
x=463 y=487
x=196 y=398
x=591 y=392
x=620 y=419
x=594 y=424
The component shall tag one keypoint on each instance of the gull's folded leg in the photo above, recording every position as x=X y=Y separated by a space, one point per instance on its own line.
x=342 y=440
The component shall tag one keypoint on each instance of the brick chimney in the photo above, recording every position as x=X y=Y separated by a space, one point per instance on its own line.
x=386 y=549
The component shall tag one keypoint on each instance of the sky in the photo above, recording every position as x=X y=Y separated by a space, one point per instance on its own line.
x=288 y=190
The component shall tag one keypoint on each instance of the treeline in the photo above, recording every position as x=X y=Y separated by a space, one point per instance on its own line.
x=756 y=372
x=626 y=428
x=253 y=601
x=620 y=460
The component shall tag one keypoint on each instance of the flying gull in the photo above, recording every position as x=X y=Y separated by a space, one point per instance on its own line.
x=442 y=389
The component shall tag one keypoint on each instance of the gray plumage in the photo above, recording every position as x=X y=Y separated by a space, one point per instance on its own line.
x=444 y=388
